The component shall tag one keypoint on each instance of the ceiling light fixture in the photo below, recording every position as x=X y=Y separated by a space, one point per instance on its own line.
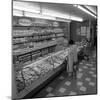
x=86 y=11
x=93 y=9
x=62 y=19
x=74 y=18
x=75 y=5
x=17 y=12
x=61 y=15
x=34 y=15
x=54 y=13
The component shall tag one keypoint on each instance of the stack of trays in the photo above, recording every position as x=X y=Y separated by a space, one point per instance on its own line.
x=24 y=58
x=36 y=54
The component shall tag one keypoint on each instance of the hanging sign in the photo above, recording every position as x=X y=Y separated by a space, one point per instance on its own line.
x=24 y=22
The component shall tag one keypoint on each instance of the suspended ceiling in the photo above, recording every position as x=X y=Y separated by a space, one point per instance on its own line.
x=70 y=9
x=66 y=9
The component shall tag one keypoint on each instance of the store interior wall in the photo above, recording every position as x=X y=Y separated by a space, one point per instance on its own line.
x=75 y=30
x=74 y=26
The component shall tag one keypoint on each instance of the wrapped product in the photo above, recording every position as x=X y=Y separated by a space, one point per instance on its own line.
x=30 y=81
x=28 y=73
x=50 y=61
x=61 y=57
x=56 y=59
x=37 y=70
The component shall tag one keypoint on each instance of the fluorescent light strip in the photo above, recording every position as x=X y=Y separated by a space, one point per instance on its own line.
x=60 y=15
x=46 y=13
x=34 y=15
x=88 y=12
x=76 y=18
x=62 y=20
x=54 y=13
x=17 y=12
x=92 y=9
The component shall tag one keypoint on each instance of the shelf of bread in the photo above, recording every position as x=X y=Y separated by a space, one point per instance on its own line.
x=36 y=47
x=36 y=32
x=18 y=41
x=35 y=24
x=22 y=40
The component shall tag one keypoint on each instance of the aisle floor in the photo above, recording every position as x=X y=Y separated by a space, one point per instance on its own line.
x=84 y=84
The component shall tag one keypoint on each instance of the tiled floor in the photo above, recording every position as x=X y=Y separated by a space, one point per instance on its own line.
x=84 y=83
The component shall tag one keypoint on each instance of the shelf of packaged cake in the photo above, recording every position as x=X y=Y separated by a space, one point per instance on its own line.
x=23 y=41
x=32 y=39
x=28 y=33
x=20 y=41
x=35 y=25
x=34 y=34
x=26 y=50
